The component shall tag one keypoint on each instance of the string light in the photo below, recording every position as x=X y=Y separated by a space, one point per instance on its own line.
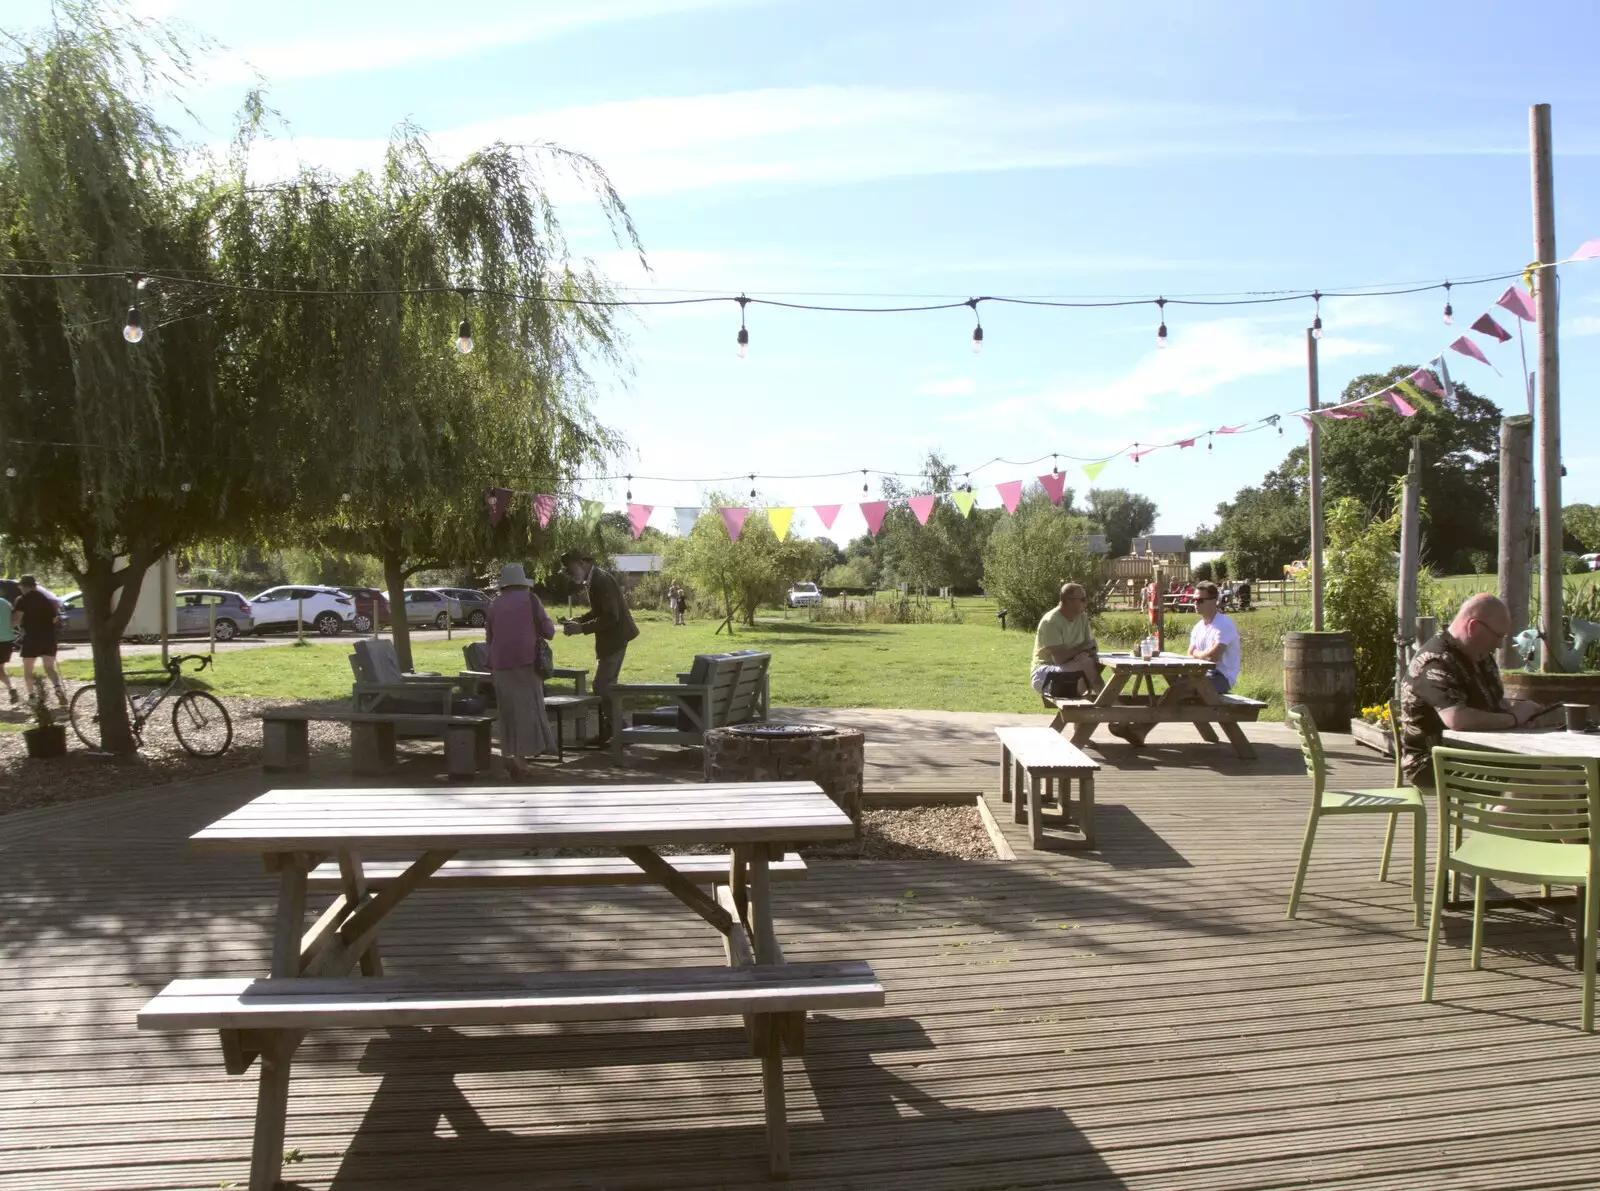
x=185 y=486
x=1449 y=314
x=1135 y=454
x=11 y=473
x=752 y=486
x=977 y=329
x=1316 y=321
x=863 y=481
x=133 y=325
x=1208 y=439
x=464 y=338
x=743 y=338
x=1161 y=331
x=344 y=498
x=1055 y=464
x=629 y=494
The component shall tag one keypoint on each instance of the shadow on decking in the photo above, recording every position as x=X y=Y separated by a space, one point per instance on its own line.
x=422 y=1129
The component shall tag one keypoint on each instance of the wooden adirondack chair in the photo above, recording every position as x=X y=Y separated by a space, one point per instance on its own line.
x=380 y=685
x=718 y=690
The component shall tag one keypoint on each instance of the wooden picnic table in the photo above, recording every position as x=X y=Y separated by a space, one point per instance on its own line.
x=293 y=830
x=1120 y=701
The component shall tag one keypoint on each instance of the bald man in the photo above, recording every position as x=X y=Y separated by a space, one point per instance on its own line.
x=1453 y=683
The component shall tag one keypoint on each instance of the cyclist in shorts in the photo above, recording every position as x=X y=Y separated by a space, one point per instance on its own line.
x=35 y=614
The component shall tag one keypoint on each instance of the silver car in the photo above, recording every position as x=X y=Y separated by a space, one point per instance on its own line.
x=428 y=608
x=195 y=609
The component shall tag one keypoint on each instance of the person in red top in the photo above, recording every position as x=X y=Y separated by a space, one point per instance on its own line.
x=516 y=626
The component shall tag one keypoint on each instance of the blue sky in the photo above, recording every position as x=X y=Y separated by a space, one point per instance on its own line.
x=850 y=152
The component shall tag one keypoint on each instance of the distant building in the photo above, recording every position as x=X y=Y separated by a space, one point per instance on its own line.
x=631 y=568
x=1098 y=544
x=1159 y=543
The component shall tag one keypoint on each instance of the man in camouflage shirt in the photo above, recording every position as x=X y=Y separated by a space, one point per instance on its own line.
x=1453 y=683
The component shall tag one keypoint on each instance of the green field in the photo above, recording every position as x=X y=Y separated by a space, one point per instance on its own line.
x=971 y=666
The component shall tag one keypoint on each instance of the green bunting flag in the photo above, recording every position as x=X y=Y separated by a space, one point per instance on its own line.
x=964 y=500
x=1093 y=470
x=1416 y=396
x=592 y=510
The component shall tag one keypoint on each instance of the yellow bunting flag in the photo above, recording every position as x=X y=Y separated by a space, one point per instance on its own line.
x=779 y=520
x=964 y=500
x=1093 y=470
x=1416 y=396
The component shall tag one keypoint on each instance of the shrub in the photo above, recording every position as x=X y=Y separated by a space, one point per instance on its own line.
x=1361 y=591
x=1032 y=553
x=847 y=574
x=1572 y=564
x=1482 y=562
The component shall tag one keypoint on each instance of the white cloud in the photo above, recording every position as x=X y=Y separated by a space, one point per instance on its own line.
x=1588 y=324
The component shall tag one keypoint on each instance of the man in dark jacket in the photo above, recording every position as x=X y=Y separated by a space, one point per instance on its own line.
x=608 y=619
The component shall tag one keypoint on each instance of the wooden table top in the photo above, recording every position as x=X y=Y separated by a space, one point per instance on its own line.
x=300 y=820
x=1163 y=663
x=1530 y=742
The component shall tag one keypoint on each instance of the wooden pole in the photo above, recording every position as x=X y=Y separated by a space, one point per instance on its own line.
x=1160 y=581
x=1313 y=400
x=1516 y=527
x=1549 y=407
x=165 y=586
x=1405 y=633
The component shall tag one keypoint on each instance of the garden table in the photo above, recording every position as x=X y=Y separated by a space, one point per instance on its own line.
x=1119 y=701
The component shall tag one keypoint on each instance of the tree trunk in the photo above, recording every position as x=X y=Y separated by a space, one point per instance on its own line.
x=106 y=624
x=394 y=579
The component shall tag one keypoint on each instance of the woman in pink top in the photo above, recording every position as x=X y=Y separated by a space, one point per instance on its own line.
x=517 y=620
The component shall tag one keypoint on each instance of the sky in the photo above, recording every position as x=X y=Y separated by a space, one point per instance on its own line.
x=884 y=154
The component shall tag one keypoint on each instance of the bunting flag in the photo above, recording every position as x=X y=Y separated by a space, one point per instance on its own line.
x=544 y=508
x=1229 y=429
x=1093 y=470
x=1468 y=348
x=1587 y=251
x=1398 y=403
x=1516 y=300
x=1055 y=486
x=1344 y=411
x=498 y=502
x=922 y=506
x=638 y=516
x=779 y=520
x=1487 y=326
x=964 y=499
x=827 y=513
x=1427 y=382
x=733 y=518
x=1444 y=376
x=1414 y=398
x=873 y=511
x=593 y=510
x=1010 y=493
x=1185 y=442
x=687 y=516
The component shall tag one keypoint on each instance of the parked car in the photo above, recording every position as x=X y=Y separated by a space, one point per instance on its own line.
x=326 y=609
x=1592 y=561
x=427 y=608
x=73 y=624
x=366 y=599
x=195 y=609
x=803 y=594
x=468 y=605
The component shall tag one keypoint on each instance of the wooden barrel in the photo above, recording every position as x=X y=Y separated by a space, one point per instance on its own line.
x=1319 y=670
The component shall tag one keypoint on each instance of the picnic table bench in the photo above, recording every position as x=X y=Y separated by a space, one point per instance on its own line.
x=1116 y=703
x=1035 y=762
x=310 y=985
x=285 y=739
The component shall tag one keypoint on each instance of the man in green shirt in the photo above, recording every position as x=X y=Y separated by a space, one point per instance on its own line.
x=1065 y=656
x=8 y=639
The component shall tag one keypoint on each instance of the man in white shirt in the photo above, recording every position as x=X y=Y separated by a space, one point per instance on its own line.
x=1215 y=639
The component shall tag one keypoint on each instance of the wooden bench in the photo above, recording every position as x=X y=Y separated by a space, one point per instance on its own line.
x=285 y=744
x=546 y=872
x=720 y=689
x=1082 y=716
x=268 y=1018
x=1039 y=761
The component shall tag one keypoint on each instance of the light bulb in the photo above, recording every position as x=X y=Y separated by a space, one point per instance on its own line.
x=464 y=338
x=1161 y=331
x=133 y=325
x=743 y=341
x=185 y=486
x=1161 y=335
x=1316 y=327
x=11 y=473
x=1449 y=314
x=1316 y=319
x=977 y=339
x=344 y=498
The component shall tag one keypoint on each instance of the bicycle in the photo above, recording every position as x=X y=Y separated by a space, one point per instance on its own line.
x=199 y=720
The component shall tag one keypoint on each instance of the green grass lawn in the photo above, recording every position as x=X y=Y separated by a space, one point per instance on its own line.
x=972 y=666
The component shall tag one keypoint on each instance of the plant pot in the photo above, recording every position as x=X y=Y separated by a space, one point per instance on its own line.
x=1553 y=688
x=45 y=743
x=1374 y=736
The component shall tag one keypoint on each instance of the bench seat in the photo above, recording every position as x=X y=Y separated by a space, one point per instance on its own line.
x=268 y=1018
x=531 y=872
x=285 y=742
x=1039 y=761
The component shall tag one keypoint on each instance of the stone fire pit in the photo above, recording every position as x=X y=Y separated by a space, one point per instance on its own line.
x=834 y=758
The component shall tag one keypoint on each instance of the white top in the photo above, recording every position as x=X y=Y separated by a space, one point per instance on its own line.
x=1205 y=636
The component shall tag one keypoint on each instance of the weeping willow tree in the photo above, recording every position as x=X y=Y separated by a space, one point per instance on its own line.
x=404 y=431
x=115 y=452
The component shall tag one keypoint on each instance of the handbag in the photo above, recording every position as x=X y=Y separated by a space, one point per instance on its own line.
x=544 y=658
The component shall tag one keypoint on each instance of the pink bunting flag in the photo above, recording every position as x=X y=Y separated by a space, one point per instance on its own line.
x=1587 y=251
x=1185 y=442
x=498 y=502
x=1427 y=382
x=638 y=515
x=544 y=508
x=1054 y=484
x=1468 y=348
x=1306 y=418
x=1487 y=326
x=922 y=506
x=827 y=513
x=873 y=511
x=1398 y=403
x=1229 y=429
x=1345 y=411
x=734 y=519
x=1517 y=300
x=1010 y=493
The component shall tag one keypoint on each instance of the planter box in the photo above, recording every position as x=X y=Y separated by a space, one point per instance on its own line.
x=1374 y=736
x=46 y=743
x=1553 y=688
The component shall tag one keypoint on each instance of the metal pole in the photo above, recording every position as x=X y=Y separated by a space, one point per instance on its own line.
x=165 y=586
x=1551 y=627
x=1313 y=400
x=1516 y=527
x=300 y=621
x=1405 y=633
x=212 y=634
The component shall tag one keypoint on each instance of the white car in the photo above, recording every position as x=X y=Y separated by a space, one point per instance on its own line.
x=803 y=595
x=326 y=609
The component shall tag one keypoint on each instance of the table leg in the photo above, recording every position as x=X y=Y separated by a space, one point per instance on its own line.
x=1086 y=808
x=291 y=918
x=766 y=939
x=1035 y=812
x=1005 y=773
x=354 y=880
x=1019 y=786
x=1230 y=727
x=561 y=747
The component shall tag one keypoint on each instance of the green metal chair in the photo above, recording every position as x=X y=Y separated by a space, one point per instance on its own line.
x=1393 y=801
x=1516 y=818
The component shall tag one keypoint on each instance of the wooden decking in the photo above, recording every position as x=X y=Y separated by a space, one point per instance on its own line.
x=1137 y=1017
